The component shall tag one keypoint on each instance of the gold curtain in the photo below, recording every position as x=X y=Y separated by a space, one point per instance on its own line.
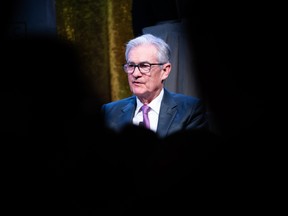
x=100 y=29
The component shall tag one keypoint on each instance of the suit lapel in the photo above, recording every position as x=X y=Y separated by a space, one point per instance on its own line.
x=167 y=114
x=126 y=114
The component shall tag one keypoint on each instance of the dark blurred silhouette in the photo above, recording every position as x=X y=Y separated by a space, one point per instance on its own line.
x=45 y=90
x=50 y=121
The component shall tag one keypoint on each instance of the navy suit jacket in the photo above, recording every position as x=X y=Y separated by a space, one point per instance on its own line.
x=177 y=112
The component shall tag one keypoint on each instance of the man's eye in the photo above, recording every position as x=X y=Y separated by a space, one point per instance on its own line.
x=144 y=65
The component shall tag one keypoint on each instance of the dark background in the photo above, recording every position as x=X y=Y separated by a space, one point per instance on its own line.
x=232 y=44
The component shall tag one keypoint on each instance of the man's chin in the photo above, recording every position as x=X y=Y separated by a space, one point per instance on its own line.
x=139 y=93
x=138 y=90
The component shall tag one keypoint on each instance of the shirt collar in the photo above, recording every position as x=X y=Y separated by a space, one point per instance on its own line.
x=154 y=104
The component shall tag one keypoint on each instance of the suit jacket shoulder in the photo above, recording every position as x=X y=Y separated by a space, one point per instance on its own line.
x=119 y=113
x=180 y=112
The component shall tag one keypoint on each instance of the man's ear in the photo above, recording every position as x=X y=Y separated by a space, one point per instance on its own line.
x=166 y=70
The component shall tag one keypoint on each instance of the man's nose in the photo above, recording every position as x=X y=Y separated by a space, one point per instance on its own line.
x=137 y=68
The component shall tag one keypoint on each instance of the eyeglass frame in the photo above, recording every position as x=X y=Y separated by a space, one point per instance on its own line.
x=138 y=66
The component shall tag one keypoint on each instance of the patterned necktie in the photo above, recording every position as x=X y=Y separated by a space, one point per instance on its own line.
x=145 y=110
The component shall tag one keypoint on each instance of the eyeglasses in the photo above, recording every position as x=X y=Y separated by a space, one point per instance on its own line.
x=143 y=67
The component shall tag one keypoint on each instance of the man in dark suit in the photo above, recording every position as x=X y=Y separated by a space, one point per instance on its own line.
x=147 y=66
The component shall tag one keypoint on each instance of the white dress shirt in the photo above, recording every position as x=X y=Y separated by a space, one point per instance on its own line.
x=153 y=114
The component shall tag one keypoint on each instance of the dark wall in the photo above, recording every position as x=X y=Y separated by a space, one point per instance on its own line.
x=233 y=63
x=148 y=12
x=21 y=18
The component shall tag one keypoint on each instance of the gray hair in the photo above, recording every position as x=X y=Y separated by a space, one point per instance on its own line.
x=163 y=48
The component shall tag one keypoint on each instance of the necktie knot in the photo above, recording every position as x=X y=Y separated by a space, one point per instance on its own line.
x=145 y=109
